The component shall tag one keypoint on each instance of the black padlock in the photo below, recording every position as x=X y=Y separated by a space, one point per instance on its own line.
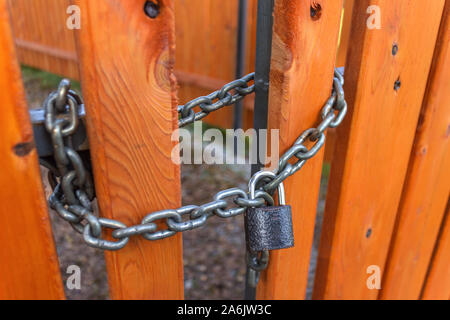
x=269 y=228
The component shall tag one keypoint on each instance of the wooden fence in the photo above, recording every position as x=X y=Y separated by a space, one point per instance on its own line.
x=387 y=200
x=43 y=41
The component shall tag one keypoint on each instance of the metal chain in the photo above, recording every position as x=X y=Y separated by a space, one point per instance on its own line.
x=333 y=113
x=216 y=100
x=74 y=190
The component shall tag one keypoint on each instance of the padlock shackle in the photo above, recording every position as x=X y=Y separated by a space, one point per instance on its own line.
x=265 y=174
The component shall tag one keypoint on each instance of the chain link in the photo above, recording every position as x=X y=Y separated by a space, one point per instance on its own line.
x=228 y=95
x=333 y=113
x=74 y=190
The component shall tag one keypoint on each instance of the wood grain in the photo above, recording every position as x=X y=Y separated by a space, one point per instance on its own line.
x=367 y=178
x=427 y=183
x=128 y=83
x=437 y=284
x=303 y=60
x=28 y=262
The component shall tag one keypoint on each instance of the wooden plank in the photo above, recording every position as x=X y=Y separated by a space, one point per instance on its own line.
x=376 y=139
x=300 y=84
x=437 y=284
x=206 y=36
x=51 y=51
x=42 y=37
x=28 y=262
x=344 y=41
x=427 y=184
x=129 y=87
x=205 y=55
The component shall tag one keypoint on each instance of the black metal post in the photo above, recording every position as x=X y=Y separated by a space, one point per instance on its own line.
x=240 y=58
x=262 y=71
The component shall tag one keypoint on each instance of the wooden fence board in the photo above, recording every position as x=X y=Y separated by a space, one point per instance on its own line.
x=300 y=84
x=206 y=46
x=437 y=284
x=206 y=33
x=345 y=42
x=366 y=180
x=206 y=39
x=427 y=184
x=42 y=37
x=28 y=262
x=126 y=67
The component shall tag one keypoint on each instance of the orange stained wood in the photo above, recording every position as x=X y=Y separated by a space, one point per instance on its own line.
x=437 y=284
x=28 y=262
x=427 y=184
x=206 y=37
x=384 y=94
x=345 y=41
x=303 y=60
x=130 y=90
x=42 y=37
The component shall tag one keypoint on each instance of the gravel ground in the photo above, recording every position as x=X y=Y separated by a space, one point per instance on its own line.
x=213 y=256
x=213 y=266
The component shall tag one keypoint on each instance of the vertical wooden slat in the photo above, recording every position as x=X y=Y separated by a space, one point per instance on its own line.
x=375 y=142
x=303 y=56
x=437 y=284
x=427 y=183
x=28 y=261
x=126 y=67
x=345 y=42
x=206 y=35
x=42 y=37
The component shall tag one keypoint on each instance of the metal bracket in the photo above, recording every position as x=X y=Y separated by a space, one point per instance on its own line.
x=43 y=139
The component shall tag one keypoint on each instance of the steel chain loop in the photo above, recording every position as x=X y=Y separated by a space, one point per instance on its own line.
x=216 y=100
x=333 y=113
x=73 y=188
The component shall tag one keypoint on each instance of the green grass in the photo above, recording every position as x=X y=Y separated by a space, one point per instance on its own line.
x=47 y=80
x=326 y=170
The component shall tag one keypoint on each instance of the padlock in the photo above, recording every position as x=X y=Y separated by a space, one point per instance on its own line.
x=268 y=228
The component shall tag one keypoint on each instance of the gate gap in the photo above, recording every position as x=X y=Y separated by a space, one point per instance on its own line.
x=317 y=229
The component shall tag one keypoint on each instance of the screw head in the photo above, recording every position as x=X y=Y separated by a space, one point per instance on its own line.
x=315 y=10
x=394 y=49
x=397 y=84
x=151 y=9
